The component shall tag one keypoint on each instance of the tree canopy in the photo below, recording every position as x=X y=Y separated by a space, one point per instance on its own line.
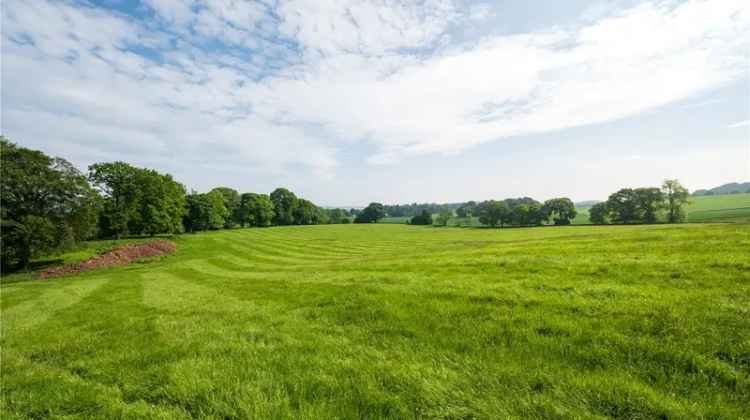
x=561 y=210
x=370 y=214
x=45 y=204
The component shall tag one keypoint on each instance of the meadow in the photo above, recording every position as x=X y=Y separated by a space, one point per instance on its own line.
x=392 y=321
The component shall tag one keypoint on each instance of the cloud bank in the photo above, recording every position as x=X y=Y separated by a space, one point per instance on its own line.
x=296 y=83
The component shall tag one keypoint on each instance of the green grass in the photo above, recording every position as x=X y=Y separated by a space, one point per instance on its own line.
x=719 y=208
x=701 y=209
x=391 y=321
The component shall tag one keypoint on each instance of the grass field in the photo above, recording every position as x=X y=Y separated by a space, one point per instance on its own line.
x=709 y=208
x=393 y=321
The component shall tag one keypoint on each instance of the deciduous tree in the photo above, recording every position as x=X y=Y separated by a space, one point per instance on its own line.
x=370 y=214
x=45 y=204
x=676 y=196
x=562 y=210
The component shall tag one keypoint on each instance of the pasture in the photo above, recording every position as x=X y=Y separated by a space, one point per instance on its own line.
x=393 y=321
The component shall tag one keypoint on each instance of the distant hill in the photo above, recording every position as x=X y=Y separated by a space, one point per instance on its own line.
x=731 y=188
x=586 y=204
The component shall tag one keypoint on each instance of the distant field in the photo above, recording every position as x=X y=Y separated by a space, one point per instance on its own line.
x=719 y=208
x=390 y=321
x=715 y=208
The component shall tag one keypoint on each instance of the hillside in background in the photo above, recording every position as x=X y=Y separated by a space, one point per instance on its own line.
x=731 y=188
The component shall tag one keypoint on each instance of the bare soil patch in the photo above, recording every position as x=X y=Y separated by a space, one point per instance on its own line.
x=115 y=257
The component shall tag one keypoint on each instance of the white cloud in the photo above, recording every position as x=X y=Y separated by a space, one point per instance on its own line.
x=321 y=76
x=740 y=124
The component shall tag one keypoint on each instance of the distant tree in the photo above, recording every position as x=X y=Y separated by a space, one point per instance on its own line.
x=45 y=204
x=465 y=212
x=305 y=213
x=444 y=217
x=118 y=183
x=562 y=210
x=521 y=214
x=423 y=218
x=676 y=197
x=650 y=201
x=624 y=206
x=337 y=216
x=493 y=213
x=371 y=214
x=161 y=204
x=284 y=204
x=256 y=210
x=205 y=212
x=599 y=213
x=232 y=203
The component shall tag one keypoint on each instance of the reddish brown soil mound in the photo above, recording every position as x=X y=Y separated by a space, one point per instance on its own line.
x=115 y=257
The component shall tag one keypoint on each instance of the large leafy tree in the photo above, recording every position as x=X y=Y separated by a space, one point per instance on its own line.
x=232 y=202
x=562 y=210
x=306 y=213
x=528 y=214
x=138 y=201
x=45 y=204
x=599 y=213
x=161 y=205
x=493 y=213
x=676 y=196
x=256 y=210
x=118 y=183
x=370 y=214
x=284 y=204
x=650 y=201
x=423 y=218
x=624 y=206
x=205 y=212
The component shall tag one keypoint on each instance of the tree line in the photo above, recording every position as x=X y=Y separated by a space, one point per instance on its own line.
x=524 y=211
x=47 y=205
x=643 y=205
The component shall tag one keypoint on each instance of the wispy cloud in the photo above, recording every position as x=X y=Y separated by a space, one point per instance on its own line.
x=297 y=82
x=739 y=124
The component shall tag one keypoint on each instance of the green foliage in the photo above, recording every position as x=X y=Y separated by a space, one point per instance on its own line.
x=306 y=213
x=493 y=213
x=392 y=321
x=137 y=201
x=424 y=218
x=337 y=216
x=232 y=203
x=599 y=213
x=467 y=210
x=531 y=214
x=118 y=183
x=284 y=204
x=205 y=212
x=676 y=198
x=256 y=210
x=444 y=217
x=371 y=214
x=45 y=204
x=562 y=210
x=624 y=206
x=161 y=204
x=650 y=201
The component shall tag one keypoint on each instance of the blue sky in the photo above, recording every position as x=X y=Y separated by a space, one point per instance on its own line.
x=347 y=102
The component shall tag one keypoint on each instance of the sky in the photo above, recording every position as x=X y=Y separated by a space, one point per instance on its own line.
x=346 y=102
